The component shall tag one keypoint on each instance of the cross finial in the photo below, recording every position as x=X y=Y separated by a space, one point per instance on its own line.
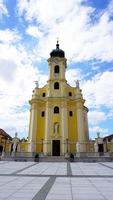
x=57 y=45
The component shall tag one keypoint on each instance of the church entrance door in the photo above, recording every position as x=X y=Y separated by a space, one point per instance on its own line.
x=100 y=148
x=56 y=147
x=1 y=149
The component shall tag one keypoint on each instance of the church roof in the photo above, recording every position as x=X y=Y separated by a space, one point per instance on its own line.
x=57 y=52
x=108 y=137
x=5 y=135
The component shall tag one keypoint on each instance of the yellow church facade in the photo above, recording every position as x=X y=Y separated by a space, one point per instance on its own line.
x=58 y=117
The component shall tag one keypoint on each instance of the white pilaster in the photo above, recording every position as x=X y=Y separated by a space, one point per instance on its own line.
x=86 y=127
x=33 y=127
x=47 y=130
x=81 y=127
x=64 y=118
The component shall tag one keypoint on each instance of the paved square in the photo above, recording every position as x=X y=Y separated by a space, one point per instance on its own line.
x=56 y=181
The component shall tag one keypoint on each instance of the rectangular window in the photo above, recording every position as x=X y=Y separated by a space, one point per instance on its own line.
x=43 y=114
x=44 y=94
x=70 y=113
x=70 y=94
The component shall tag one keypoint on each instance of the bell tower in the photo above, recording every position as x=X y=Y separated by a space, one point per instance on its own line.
x=58 y=118
x=57 y=68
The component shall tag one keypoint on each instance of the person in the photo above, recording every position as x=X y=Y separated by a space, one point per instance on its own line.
x=71 y=157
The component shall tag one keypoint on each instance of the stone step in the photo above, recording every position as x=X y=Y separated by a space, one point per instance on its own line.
x=93 y=159
x=53 y=159
x=77 y=158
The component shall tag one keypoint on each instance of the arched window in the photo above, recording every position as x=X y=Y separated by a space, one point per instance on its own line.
x=56 y=85
x=56 y=69
x=44 y=94
x=70 y=113
x=43 y=114
x=70 y=94
x=56 y=109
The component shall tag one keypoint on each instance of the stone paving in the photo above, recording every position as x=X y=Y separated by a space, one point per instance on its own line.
x=56 y=181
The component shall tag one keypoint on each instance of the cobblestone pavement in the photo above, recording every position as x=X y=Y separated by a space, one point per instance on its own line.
x=56 y=181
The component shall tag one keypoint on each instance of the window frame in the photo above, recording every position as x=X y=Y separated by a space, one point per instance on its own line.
x=56 y=86
x=56 y=69
x=71 y=113
x=43 y=114
x=56 y=110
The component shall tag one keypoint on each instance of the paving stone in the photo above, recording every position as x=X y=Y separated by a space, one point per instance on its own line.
x=56 y=181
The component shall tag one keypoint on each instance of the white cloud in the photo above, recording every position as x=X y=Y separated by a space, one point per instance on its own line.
x=34 y=31
x=7 y=69
x=45 y=11
x=95 y=117
x=14 y=96
x=3 y=9
x=9 y=36
x=79 y=37
x=72 y=75
x=110 y=114
x=71 y=21
x=99 y=90
x=96 y=129
x=17 y=76
x=13 y=122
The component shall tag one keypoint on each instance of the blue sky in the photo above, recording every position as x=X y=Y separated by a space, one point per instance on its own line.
x=28 y=32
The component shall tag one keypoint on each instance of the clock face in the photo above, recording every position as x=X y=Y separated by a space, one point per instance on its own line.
x=55 y=61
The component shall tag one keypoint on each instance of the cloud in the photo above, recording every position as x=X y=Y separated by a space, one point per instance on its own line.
x=95 y=117
x=17 y=76
x=45 y=11
x=82 y=38
x=95 y=129
x=34 y=31
x=14 y=96
x=73 y=23
x=3 y=9
x=7 y=69
x=9 y=36
x=15 y=122
x=72 y=75
x=98 y=91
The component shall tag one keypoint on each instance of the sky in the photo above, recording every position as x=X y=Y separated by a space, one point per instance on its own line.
x=28 y=33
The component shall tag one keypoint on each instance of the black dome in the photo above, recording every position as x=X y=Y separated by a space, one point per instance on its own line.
x=57 y=52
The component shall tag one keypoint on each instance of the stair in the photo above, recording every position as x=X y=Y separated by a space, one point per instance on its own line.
x=53 y=159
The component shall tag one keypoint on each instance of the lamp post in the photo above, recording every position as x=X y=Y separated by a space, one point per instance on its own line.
x=67 y=145
x=67 y=154
x=42 y=146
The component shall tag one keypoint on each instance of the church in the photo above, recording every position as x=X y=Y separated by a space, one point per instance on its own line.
x=58 y=116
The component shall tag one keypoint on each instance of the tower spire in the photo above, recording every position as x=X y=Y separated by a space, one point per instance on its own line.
x=57 y=45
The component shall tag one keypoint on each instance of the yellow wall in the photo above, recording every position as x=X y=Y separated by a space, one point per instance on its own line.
x=61 y=98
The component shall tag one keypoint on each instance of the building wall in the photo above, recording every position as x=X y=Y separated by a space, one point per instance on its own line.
x=67 y=98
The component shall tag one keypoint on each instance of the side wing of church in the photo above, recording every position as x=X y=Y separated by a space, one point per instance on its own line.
x=58 y=117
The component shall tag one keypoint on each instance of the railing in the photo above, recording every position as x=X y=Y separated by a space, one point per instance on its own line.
x=69 y=146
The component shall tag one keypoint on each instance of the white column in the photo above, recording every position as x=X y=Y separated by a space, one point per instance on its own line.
x=33 y=127
x=64 y=117
x=86 y=127
x=47 y=130
x=81 y=127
